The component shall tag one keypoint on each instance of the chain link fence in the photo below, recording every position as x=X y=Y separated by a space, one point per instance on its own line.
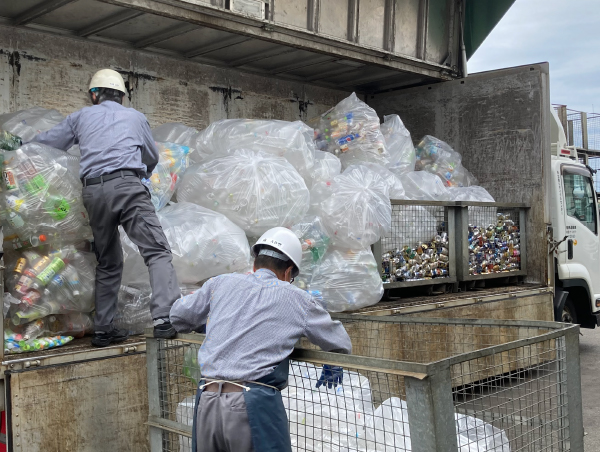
x=412 y=384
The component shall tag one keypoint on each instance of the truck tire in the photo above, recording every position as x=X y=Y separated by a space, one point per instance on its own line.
x=569 y=314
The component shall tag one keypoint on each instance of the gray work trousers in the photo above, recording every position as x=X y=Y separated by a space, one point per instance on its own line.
x=222 y=423
x=125 y=201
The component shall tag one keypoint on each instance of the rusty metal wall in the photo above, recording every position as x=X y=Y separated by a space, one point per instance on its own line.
x=53 y=72
x=91 y=406
x=500 y=122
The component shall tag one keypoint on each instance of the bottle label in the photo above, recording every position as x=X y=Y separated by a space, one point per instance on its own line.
x=55 y=266
x=10 y=181
x=23 y=284
x=41 y=264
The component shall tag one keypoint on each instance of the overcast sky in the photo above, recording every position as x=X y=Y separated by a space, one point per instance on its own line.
x=565 y=33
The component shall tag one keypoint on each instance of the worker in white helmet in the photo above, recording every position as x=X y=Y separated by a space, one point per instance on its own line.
x=117 y=149
x=252 y=323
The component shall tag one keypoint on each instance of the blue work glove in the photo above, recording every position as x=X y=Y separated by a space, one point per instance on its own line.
x=331 y=376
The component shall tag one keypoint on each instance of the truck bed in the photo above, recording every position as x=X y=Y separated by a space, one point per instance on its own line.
x=522 y=301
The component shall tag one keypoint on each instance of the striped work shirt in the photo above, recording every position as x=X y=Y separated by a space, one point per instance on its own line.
x=253 y=322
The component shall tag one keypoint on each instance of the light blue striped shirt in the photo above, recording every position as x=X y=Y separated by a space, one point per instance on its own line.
x=253 y=322
x=111 y=137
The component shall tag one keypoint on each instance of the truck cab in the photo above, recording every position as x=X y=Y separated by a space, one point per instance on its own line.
x=575 y=241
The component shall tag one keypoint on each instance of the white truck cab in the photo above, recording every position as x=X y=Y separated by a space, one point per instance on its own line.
x=576 y=243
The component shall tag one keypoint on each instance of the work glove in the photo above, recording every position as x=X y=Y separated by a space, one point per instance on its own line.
x=9 y=142
x=331 y=376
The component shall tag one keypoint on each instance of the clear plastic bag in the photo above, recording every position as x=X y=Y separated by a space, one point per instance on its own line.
x=133 y=311
x=437 y=157
x=326 y=167
x=41 y=200
x=474 y=193
x=256 y=191
x=58 y=281
x=347 y=280
x=391 y=431
x=315 y=241
x=399 y=144
x=424 y=186
x=351 y=131
x=290 y=140
x=358 y=212
x=323 y=419
x=175 y=132
x=28 y=123
x=394 y=183
x=203 y=244
x=172 y=163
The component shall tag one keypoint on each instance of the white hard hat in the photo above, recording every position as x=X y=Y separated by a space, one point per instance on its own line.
x=284 y=240
x=107 y=78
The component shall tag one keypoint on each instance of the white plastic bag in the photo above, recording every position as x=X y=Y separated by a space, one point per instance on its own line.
x=358 y=212
x=315 y=241
x=351 y=131
x=256 y=191
x=394 y=183
x=175 y=132
x=203 y=244
x=347 y=280
x=28 y=123
x=326 y=167
x=399 y=144
x=41 y=200
x=326 y=420
x=424 y=186
x=474 y=193
x=290 y=140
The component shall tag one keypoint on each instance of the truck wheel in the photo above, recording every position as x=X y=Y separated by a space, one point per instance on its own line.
x=569 y=315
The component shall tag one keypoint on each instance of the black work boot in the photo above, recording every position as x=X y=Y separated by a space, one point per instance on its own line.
x=102 y=339
x=163 y=329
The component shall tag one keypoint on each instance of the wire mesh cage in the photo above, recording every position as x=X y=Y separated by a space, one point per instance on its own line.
x=419 y=249
x=412 y=384
x=492 y=241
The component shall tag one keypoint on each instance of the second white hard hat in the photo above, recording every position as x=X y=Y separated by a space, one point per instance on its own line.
x=284 y=240
x=107 y=78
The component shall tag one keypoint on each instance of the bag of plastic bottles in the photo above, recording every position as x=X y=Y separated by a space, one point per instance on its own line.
x=133 y=309
x=424 y=186
x=437 y=157
x=326 y=167
x=203 y=244
x=351 y=131
x=347 y=280
x=474 y=193
x=13 y=345
x=290 y=140
x=26 y=124
x=391 y=431
x=175 y=132
x=323 y=419
x=9 y=142
x=41 y=200
x=256 y=191
x=55 y=282
x=315 y=241
x=358 y=212
x=165 y=178
x=396 y=190
x=399 y=144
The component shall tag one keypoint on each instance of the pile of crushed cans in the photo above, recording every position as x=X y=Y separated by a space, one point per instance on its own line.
x=424 y=261
x=495 y=248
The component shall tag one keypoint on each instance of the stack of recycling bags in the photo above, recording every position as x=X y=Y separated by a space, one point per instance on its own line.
x=50 y=281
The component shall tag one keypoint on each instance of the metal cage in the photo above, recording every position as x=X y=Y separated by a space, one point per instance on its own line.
x=491 y=242
x=419 y=250
x=413 y=384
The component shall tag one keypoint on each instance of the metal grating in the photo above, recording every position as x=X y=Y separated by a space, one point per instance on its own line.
x=505 y=382
x=494 y=240
x=418 y=246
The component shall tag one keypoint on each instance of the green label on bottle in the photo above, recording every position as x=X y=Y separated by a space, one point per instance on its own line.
x=55 y=266
x=58 y=208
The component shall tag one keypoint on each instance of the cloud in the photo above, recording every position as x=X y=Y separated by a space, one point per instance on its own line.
x=564 y=33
